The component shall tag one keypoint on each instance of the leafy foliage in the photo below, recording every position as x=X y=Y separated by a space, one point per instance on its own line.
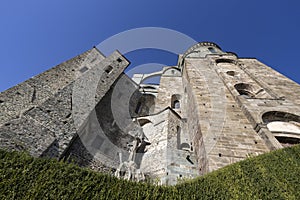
x=275 y=175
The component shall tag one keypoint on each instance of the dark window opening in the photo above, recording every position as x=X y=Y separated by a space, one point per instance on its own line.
x=245 y=92
x=108 y=69
x=1 y=101
x=287 y=141
x=285 y=138
x=279 y=116
x=175 y=103
x=244 y=89
x=119 y=60
x=69 y=115
x=223 y=60
x=212 y=50
x=230 y=73
x=185 y=146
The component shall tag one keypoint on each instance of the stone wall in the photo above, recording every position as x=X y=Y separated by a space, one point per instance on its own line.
x=227 y=134
x=38 y=114
x=211 y=110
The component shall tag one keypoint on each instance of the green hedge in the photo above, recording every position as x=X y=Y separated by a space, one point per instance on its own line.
x=275 y=175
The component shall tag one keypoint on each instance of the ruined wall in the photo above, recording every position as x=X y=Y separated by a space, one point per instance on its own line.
x=37 y=115
x=106 y=132
x=36 y=90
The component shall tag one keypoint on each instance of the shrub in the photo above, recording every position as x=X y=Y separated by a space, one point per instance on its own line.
x=273 y=175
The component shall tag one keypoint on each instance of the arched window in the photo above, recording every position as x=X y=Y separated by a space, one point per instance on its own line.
x=185 y=146
x=287 y=141
x=212 y=50
x=175 y=101
x=231 y=73
x=244 y=89
x=284 y=126
x=145 y=105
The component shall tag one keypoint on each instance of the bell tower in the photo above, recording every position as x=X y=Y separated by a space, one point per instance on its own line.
x=242 y=106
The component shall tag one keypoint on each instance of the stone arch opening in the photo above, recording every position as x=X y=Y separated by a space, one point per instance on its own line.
x=185 y=146
x=175 y=101
x=245 y=89
x=284 y=126
x=231 y=73
x=212 y=50
x=145 y=105
x=279 y=116
x=287 y=141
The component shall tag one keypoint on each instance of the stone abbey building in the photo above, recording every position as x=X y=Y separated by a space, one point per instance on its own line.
x=210 y=110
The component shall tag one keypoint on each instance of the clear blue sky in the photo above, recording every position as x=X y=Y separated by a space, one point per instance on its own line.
x=37 y=35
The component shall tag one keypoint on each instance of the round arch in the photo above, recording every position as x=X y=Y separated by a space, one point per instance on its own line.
x=284 y=126
x=172 y=71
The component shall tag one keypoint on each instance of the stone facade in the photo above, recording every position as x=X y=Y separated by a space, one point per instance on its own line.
x=211 y=110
